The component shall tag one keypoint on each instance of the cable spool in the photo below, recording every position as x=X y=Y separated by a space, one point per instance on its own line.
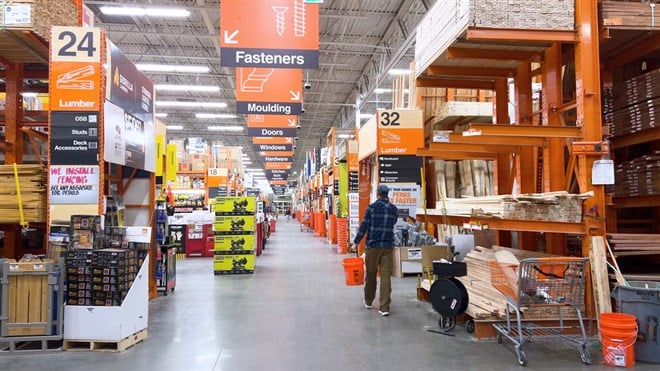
x=449 y=297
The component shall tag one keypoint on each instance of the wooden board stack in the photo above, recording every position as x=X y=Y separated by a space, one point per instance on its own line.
x=633 y=105
x=625 y=244
x=32 y=181
x=486 y=303
x=628 y=15
x=638 y=177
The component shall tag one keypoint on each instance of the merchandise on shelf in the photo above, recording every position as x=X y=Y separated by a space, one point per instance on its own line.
x=233 y=264
x=235 y=238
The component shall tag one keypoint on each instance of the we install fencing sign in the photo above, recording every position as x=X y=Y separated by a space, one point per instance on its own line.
x=269 y=33
x=74 y=184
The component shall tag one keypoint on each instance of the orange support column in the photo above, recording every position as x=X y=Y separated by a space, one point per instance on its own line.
x=342 y=235
x=14 y=114
x=553 y=157
x=587 y=75
x=503 y=161
x=526 y=161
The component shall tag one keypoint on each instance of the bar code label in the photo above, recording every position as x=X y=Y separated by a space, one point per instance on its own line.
x=17 y=14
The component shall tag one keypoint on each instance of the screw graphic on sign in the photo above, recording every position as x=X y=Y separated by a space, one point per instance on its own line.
x=279 y=20
x=299 y=18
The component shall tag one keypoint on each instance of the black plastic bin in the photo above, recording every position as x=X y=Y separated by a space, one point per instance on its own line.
x=642 y=300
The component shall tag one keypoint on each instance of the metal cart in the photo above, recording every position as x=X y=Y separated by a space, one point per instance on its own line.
x=306 y=222
x=541 y=282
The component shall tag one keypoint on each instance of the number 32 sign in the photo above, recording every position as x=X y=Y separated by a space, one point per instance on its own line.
x=75 y=44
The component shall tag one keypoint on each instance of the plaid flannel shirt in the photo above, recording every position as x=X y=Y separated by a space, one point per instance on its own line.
x=378 y=224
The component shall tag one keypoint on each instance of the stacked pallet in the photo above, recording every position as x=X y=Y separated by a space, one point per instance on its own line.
x=485 y=301
x=449 y=114
x=522 y=14
x=32 y=183
x=633 y=105
x=638 y=177
x=627 y=15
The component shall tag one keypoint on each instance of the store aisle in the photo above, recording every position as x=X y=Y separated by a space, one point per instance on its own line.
x=295 y=313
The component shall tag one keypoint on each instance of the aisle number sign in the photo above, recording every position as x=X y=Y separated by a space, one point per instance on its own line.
x=75 y=44
x=75 y=68
x=400 y=132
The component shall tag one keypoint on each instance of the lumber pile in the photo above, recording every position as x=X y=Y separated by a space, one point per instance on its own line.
x=449 y=114
x=485 y=301
x=522 y=14
x=39 y=15
x=624 y=244
x=633 y=105
x=558 y=206
x=624 y=15
x=32 y=181
x=638 y=177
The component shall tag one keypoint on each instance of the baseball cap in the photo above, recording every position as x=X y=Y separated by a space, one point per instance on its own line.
x=382 y=189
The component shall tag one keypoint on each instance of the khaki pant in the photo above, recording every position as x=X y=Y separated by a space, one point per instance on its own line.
x=379 y=259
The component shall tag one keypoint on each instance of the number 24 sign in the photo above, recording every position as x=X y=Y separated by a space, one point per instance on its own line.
x=75 y=44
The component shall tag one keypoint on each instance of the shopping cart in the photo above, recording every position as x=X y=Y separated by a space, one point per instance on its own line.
x=306 y=222
x=541 y=282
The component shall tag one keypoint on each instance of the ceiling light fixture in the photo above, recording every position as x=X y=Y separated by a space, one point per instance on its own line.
x=150 y=67
x=214 y=115
x=152 y=12
x=174 y=127
x=161 y=114
x=382 y=90
x=191 y=104
x=196 y=88
x=225 y=128
x=366 y=115
x=344 y=136
x=398 y=71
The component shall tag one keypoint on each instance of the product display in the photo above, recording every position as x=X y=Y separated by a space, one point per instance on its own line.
x=234 y=228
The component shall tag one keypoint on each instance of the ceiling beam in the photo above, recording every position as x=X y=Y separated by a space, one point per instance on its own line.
x=469 y=71
x=493 y=54
x=430 y=82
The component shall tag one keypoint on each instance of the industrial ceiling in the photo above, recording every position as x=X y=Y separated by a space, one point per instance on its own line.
x=360 y=41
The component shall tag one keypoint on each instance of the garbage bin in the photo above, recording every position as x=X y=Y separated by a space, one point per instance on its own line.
x=642 y=300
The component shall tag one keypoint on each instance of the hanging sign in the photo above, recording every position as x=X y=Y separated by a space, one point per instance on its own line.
x=269 y=91
x=272 y=121
x=269 y=33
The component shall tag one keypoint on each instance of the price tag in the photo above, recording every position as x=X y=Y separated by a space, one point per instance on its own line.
x=75 y=44
x=414 y=253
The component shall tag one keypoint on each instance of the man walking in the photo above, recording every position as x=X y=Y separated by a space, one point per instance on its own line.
x=378 y=224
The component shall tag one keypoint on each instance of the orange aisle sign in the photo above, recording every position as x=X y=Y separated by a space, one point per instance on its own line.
x=272 y=121
x=353 y=162
x=277 y=166
x=271 y=140
x=400 y=132
x=277 y=182
x=269 y=91
x=265 y=154
x=75 y=69
x=269 y=33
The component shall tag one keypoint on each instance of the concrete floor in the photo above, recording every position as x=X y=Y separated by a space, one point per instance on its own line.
x=296 y=313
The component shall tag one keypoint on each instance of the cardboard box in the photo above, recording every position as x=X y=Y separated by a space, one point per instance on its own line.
x=244 y=205
x=234 y=244
x=407 y=260
x=238 y=263
x=433 y=252
x=234 y=224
